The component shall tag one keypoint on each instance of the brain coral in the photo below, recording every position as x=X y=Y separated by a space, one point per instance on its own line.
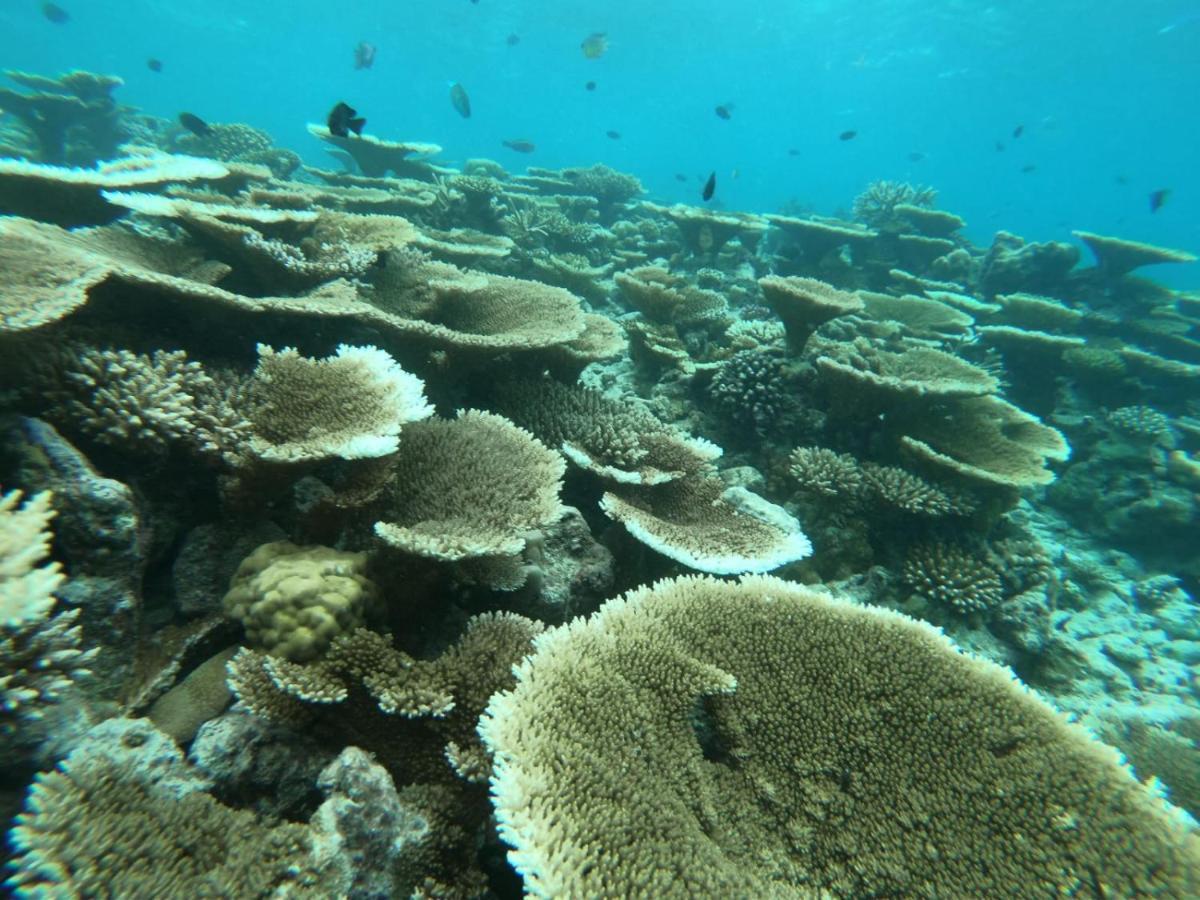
x=294 y=601
x=707 y=738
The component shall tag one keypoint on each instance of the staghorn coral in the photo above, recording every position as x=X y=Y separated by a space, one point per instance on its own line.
x=469 y=488
x=876 y=206
x=351 y=405
x=949 y=576
x=804 y=304
x=41 y=654
x=294 y=601
x=826 y=473
x=899 y=489
x=758 y=738
x=1143 y=423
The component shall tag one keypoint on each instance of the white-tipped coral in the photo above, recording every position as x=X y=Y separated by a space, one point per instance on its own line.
x=351 y=405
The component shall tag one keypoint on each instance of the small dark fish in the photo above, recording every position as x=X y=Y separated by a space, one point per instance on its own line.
x=848 y=135
x=1121 y=179
x=615 y=135
x=364 y=55
x=1158 y=198
x=793 y=152
x=459 y=100
x=154 y=65
x=520 y=145
x=512 y=40
x=679 y=177
x=916 y=156
x=342 y=120
x=709 y=187
x=1027 y=168
x=594 y=45
x=194 y=124
x=1018 y=131
x=999 y=146
x=724 y=111
x=590 y=86
x=55 y=14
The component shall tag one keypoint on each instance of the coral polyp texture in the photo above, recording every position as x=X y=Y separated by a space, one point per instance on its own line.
x=758 y=736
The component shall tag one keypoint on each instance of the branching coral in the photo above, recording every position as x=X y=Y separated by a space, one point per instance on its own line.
x=877 y=204
x=710 y=738
x=949 y=576
x=41 y=654
x=293 y=601
x=826 y=473
x=750 y=389
x=349 y=406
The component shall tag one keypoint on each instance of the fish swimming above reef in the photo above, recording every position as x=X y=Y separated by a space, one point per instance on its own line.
x=343 y=119
x=615 y=135
x=709 y=187
x=55 y=13
x=154 y=65
x=1018 y=131
x=512 y=40
x=594 y=45
x=364 y=55
x=999 y=146
x=848 y=135
x=1028 y=168
x=1158 y=198
x=724 y=111
x=194 y=124
x=520 y=145
x=916 y=156
x=459 y=100
x=680 y=177
x=590 y=86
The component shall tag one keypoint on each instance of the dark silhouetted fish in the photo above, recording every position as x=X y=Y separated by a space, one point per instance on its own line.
x=848 y=135
x=343 y=120
x=793 y=152
x=512 y=40
x=194 y=124
x=1018 y=131
x=1158 y=198
x=999 y=146
x=459 y=100
x=590 y=86
x=364 y=55
x=615 y=135
x=594 y=45
x=1027 y=168
x=724 y=111
x=56 y=14
x=154 y=65
x=679 y=177
x=916 y=156
x=709 y=187
x=520 y=145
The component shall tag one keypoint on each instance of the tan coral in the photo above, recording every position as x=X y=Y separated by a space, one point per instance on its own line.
x=1117 y=256
x=950 y=576
x=819 y=470
x=294 y=601
x=884 y=378
x=376 y=157
x=705 y=738
x=470 y=487
x=988 y=441
x=804 y=304
x=919 y=314
x=351 y=405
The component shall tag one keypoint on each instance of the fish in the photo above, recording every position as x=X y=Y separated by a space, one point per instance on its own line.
x=1027 y=168
x=1018 y=131
x=520 y=145
x=709 y=187
x=590 y=86
x=848 y=135
x=999 y=146
x=916 y=156
x=194 y=124
x=55 y=13
x=154 y=65
x=364 y=55
x=1158 y=198
x=724 y=111
x=792 y=151
x=1121 y=179
x=594 y=45
x=459 y=100
x=342 y=120
x=512 y=40
x=679 y=177
x=615 y=135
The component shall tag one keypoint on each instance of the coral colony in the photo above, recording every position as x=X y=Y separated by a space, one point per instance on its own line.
x=397 y=529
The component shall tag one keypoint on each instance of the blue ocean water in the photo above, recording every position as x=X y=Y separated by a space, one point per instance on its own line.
x=1105 y=93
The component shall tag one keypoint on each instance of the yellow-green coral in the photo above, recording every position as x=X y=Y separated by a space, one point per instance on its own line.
x=293 y=601
x=706 y=738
